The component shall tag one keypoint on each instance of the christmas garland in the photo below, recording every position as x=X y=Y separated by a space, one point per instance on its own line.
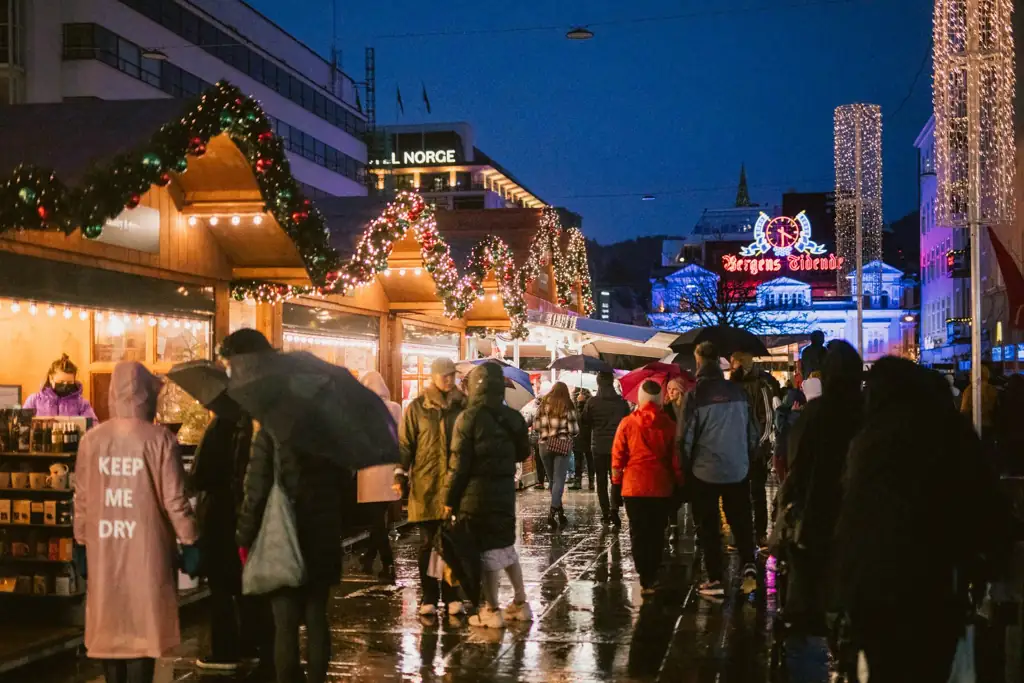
x=34 y=198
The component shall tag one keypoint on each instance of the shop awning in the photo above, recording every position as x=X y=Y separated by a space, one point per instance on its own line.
x=27 y=278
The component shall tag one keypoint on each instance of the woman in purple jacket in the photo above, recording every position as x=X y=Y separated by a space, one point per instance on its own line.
x=61 y=395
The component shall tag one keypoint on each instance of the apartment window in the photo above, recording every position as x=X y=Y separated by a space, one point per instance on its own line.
x=151 y=72
x=129 y=56
x=189 y=27
x=78 y=41
x=405 y=181
x=170 y=16
x=189 y=84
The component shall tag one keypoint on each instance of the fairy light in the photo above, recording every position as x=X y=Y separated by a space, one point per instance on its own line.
x=152 y=322
x=51 y=311
x=83 y=315
x=33 y=309
x=99 y=317
x=67 y=313
x=257 y=219
x=193 y=220
x=858 y=152
x=236 y=220
x=15 y=307
x=214 y=220
x=979 y=32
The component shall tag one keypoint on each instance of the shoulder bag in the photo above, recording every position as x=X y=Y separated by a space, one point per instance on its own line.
x=275 y=560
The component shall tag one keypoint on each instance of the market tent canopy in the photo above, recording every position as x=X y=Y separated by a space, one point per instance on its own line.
x=76 y=139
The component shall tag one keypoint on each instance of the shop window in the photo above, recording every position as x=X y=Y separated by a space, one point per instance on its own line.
x=420 y=346
x=405 y=181
x=181 y=341
x=241 y=314
x=119 y=337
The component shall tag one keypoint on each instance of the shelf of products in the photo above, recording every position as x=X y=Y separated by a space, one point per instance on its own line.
x=37 y=459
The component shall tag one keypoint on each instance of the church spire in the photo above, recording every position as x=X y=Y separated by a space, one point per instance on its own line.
x=742 y=193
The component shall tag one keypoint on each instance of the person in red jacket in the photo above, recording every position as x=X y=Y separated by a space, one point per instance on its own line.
x=645 y=467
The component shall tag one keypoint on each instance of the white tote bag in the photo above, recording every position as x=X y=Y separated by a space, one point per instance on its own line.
x=275 y=560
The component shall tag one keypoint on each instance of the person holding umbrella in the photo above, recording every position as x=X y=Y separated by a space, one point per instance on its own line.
x=424 y=445
x=239 y=626
x=489 y=439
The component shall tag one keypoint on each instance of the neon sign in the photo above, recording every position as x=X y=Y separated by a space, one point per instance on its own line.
x=781 y=242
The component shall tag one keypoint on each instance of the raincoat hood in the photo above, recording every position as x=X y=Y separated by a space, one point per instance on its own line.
x=374 y=381
x=486 y=385
x=606 y=385
x=133 y=392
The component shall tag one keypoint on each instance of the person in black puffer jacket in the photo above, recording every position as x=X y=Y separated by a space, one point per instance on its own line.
x=601 y=416
x=582 y=453
x=313 y=485
x=488 y=440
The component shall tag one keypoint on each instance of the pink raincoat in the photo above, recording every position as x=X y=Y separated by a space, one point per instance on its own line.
x=130 y=505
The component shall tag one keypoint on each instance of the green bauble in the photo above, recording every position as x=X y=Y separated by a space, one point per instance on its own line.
x=251 y=117
x=151 y=160
x=92 y=231
x=226 y=119
x=27 y=195
x=284 y=194
x=181 y=165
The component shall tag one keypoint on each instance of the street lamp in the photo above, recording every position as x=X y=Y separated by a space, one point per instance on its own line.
x=154 y=54
x=579 y=33
x=648 y=198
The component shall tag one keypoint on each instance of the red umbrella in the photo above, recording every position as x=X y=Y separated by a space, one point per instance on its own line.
x=656 y=372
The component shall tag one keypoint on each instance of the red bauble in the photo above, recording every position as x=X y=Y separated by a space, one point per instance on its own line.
x=43 y=212
x=133 y=201
x=265 y=136
x=263 y=165
x=299 y=216
x=164 y=180
x=196 y=147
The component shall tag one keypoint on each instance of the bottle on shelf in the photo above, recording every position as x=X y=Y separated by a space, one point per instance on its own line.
x=75 y=437
x=24 y=432
x=56 y=439
x=39 y=435
x=66 y=437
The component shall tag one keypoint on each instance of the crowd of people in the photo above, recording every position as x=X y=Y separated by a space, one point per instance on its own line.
x=876 y=471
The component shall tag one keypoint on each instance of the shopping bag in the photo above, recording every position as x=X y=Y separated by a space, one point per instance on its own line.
x=275 y=559
x=436 y=566
x=963 y=661
x=462 y=555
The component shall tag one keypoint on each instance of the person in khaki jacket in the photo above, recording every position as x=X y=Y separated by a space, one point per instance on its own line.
x=424 y=444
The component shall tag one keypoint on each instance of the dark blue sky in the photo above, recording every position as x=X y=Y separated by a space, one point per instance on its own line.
x=666 y=107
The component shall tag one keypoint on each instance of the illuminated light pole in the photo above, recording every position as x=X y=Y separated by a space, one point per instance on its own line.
x=973 y=92
x=858 y=162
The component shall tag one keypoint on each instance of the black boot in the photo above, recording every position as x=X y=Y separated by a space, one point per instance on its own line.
x=616 y=520
x=590 y=482
x=576 y=484
x=562 y=519
x=552 y=520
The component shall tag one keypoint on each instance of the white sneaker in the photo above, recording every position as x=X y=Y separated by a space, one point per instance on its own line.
x=428 y=610
x=455 y=608
x=487 y=618
x=518 y=612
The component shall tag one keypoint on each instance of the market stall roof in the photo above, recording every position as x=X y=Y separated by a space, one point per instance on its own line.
x=647 y=336
x=73 y=138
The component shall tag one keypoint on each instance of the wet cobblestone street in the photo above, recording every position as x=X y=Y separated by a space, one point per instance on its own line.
x=589 y=621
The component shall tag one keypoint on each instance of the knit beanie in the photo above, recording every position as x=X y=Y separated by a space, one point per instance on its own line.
x=650 y=392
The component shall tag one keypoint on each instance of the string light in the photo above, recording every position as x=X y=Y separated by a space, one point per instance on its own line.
x=214 y=220
x=257 y=219
x=51 y=311
x=192 y=221
x=979 y=32
x=15 y=307
x=33 y=309
x=83 y=314
x=236 y=220
x=858 y=155
x=67 y=313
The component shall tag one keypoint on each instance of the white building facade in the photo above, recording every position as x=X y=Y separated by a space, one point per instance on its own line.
x=943 y=297
x=785 y=306
x=56 y=50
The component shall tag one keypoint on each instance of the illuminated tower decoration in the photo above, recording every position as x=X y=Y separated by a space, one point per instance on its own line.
x=973 y=93
x=858 y=160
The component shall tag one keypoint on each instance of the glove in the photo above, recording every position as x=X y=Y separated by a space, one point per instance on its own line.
x=243 y=555
x=402 y=480
x=616 y=500
x=78 y=559
x=189 y=559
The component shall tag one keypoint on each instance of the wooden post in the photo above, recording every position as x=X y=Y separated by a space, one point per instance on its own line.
x=269 y=322
x=222 y=312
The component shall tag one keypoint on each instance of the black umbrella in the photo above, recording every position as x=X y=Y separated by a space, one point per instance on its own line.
x=581 y=364
x=206 y=383
x=727 y=340
x=315 y=407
